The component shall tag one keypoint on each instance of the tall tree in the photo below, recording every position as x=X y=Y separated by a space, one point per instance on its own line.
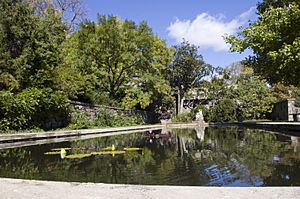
x=126 y=59
x=240 y=91
x=186 y=71
x=275 y=41
x=253 y=97
x=29 y=44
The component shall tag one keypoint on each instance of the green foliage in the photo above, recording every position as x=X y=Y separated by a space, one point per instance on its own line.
x=275 y=41
x=188 y=67
x=265 y=5
x=31 y=108
x=79 y=120
x=186 y=71
x=241 y=90
x=112 y=62
x=76 y=85
x=183 y=117
x=254 y=97
x=223 y=111
x=216 y=88
x=282 y=92
x=8 y=82
x=105 y=118
x=125 y=60
x=29 y=44
x=123 y=120
x=110 y=119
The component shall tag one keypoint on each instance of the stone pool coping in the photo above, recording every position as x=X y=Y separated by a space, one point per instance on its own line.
x=34 y=189
x=29 y=139
x=55 y=134
x=276 y=126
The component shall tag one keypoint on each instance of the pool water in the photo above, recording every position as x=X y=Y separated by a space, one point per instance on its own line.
x=199 y=157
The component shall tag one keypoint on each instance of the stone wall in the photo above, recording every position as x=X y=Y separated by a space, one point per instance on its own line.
x=93 y=111
x=286 y=111
x=55 y=122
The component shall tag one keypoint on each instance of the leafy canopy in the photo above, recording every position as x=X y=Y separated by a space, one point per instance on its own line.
x=126 y=60
x=188 y=67
x=275 y=41
x=30 y=45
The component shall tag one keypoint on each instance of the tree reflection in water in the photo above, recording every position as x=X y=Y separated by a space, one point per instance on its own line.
x=211 y=156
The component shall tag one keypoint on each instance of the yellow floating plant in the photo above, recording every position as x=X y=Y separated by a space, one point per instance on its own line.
x=107 y=152
x=111 y=148
x=77 y=156
x=52 y=153
x=132 y=149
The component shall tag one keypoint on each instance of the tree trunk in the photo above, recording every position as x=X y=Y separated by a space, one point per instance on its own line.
x=178 y=102
x=180 y=99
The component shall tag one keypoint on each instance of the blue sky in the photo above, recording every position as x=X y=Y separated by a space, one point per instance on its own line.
x=201 y=22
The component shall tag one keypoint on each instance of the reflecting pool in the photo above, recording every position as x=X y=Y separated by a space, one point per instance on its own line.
x=200 y=157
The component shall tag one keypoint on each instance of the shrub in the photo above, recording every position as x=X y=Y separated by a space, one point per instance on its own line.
x=32 y=108
x=80 y=120
x=105 y=118
x=123 y=120
x=108 y=118
x=224 y=111
x=183 y=117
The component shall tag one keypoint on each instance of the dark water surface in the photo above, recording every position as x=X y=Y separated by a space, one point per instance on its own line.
x=214 y=157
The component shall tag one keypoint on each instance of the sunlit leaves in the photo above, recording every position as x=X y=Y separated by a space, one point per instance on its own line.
x=274 y=40
x=127 y=60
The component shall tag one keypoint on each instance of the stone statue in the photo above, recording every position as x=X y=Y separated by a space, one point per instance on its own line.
x=199 y=116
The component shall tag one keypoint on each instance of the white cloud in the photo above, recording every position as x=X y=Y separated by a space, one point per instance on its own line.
x=207 y=31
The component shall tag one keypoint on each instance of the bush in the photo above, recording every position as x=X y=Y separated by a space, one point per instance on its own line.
x=122 y=120
x=114 y=119
x=80 y=120
x=32 y=108
x=183 y=117
x=105 y=118
x=224 y=111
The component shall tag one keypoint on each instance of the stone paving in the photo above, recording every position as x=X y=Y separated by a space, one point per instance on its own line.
x=31 y=189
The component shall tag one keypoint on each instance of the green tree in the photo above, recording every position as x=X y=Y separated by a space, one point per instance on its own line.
x=242 y=90
x=282 y=92
x=29 y=44
x=275 y=41
x=126 y=59
x=267 y=4
x=29 y=54
x=32 y=108
x=186 y=71
x=224 y=111
x=253 y=97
